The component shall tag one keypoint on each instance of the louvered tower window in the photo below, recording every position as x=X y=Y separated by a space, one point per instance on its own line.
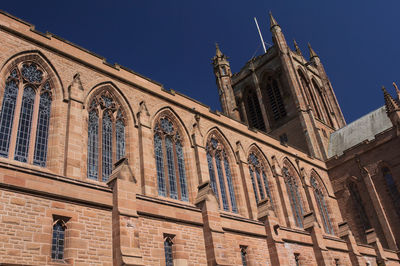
x=294 y=197
x=259 y=178
x=310 y=95
x=106 y=135
x=324 y=104
x=275 y=99
x=220 y=174
x=254 y=111
x=322 y=207
x=170 y=162
x=25 y=114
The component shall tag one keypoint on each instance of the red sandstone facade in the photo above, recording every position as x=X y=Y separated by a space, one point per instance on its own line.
x=125 y=220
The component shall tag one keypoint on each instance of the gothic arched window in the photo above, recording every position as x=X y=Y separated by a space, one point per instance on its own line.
x=294 y=197
x=358 y=203
x=275 y=99
x=322 y=207
x=393 y=191
x=222 y=186
x=25 y=114
x=58 y=240
x=259 y=178
x=170 y=162
x=254 y=111
x=106 y=136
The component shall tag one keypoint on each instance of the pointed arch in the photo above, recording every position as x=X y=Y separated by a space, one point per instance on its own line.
x=170 y=140
x=220 y=169
x=322 y=99
x=108 y=129
x=320 y=193
x=305 y=82
x=224 y=140
x=41 y=60
x=293 y=186
x=29 y=84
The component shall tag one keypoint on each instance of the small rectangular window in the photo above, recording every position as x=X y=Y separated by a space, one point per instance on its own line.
x=168 y=243
x=58 y=237
x=243 y=254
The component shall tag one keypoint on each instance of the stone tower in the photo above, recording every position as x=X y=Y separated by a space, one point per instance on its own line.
x=283 y=94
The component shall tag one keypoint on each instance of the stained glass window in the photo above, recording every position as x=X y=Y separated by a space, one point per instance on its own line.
x=106 y=129
x=294 y=197
x=42 y=130
x=393 y=191
x=107 y=147
x=58 y=241
x=25 y=125
x=93 y=146
x=322 y=207
x=169 y=260
x=168 y=149
x=25 y=82
x=7 y=112
x=258 y=178
x=218 y=161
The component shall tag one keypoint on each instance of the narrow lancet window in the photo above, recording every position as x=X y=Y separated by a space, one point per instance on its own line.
x=294 y=197
x=58 y=241
x=322 y=207
x=169 y=259
x=393 y=190
x=258 y=178
x=120 y=135
x=93 y=146
x=170 y=162
x=218 y=165
x=107 y=147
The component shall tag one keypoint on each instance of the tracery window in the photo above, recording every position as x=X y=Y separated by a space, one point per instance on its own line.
x=259 y=178
x=222 y=186
x=106 y=135
x=393 y=190
x=254 y=113
x=25 y=114
x=355 y=194
x=58 y=240
x=322 y=207
x=170 y=161
x=275 y=99
x=294 y=197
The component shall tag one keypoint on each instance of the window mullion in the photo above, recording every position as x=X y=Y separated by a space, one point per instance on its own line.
x=100 y=147
x=166 y=176
x=32 y=140
x=178 y=183
x=15 y=124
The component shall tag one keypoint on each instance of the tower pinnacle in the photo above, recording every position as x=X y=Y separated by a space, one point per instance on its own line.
x=312 y=52
x=218 y=52
x=272 y=20
x=397 y=90
x=390 y=103
x=297 y=48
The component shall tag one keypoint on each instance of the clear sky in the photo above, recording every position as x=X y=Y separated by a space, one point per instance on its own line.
x=172 y=42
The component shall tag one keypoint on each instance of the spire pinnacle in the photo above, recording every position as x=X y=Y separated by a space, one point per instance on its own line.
x=312 y=52
x=397 y=90
x=390 y=103
x=298 y=51
x=272 y=20
x=218 y=52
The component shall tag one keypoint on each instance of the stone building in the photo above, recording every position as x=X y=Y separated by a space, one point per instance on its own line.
x=102 y=166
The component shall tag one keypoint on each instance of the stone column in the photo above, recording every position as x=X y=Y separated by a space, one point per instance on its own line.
x=276 y=246
x=345 y=234
x=125 y=226
x=73 y=162
x=146 y=150
x=216 y=250
x=321 y=252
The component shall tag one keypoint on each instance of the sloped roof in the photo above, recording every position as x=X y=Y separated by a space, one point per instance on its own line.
x=364 y=128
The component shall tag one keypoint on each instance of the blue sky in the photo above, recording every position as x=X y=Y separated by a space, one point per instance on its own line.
x=172 y=42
